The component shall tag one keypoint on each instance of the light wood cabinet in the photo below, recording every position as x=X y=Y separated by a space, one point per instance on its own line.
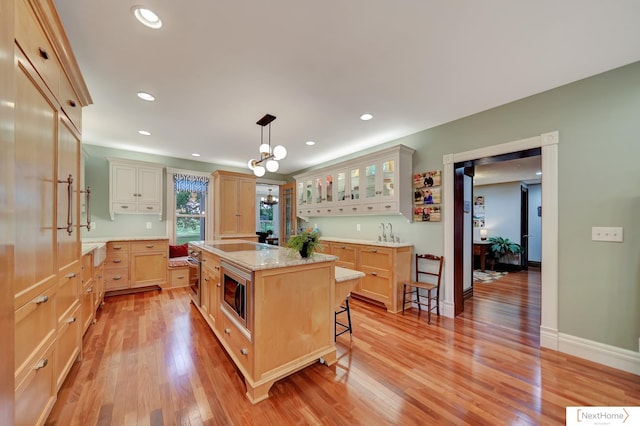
x=234 y=205
x=385 y=269
x=48 y=97
x=211 y=288
x=149 y=263
x=134 y=187
x=378 y=183
x=136 y=264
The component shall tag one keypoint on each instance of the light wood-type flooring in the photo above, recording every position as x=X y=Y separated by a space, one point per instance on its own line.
x=150 y=360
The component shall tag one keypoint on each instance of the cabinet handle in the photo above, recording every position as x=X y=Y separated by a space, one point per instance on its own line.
x=117 y=247
x=244 y=351
x=71 y=320
x=117 y=260
x=370 y=207
x=217 y=268
x=227 y=331
x=149 y=208
x=41 y=364
x=206 y=279
x=149 y=246
x=70 y=275
x=41 y=299
x=378 y=192
x=43 y=53
x=117 y=278
x=69 y=182
x=354 y=208
x=180 y=277
x=375 y=274
x=71 y=103
x=124 y=207
x=90 y=290
x=218 y=285
x=387 y=207
x=340 y=209
x=328 y=210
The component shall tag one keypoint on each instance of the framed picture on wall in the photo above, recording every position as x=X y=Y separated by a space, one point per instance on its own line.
x=430 y=213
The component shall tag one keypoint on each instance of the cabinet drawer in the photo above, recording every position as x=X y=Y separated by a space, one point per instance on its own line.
x=150 y=246
x=240 y=347
x=69 y=102
x=179 y=277
x=376 y=257
x=347 y=255
x=68 y=346
x=117 y=247
x=376 y=285
x=87 y=305
x=36 y=47
x=117 y=260
x=35 y=327
x=149 y=208
x=124 y=207
x=116 y=279
x=35 y=394
x=67 y=293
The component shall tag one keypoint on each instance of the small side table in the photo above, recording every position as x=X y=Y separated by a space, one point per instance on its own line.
x=482 y=249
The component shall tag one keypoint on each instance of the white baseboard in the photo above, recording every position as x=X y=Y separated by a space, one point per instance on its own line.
x=612 y=356
x=548 y=338
x=447 y=309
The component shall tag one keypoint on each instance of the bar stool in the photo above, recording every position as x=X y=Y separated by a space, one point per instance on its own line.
x=344 y=308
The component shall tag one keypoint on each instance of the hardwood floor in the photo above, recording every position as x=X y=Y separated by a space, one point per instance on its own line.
x=151 y=360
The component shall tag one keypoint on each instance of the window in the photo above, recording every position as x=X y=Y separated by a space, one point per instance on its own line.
x=266 y=217
x=189 y=196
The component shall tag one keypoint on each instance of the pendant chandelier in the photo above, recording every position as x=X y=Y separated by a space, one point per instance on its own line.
x=269 y=200
x=268 y=158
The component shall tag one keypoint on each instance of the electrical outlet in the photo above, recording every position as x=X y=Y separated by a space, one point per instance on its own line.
x=358 y=227
x=601 y=233
x=149 y=226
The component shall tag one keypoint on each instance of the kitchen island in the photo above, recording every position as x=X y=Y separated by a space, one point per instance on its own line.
x=285 y=318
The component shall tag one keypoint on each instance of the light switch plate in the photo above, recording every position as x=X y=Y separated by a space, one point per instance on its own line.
x=149 y=225
x=601 y=233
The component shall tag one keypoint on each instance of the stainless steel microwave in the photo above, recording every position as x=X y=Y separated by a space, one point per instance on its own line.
x=236 y=292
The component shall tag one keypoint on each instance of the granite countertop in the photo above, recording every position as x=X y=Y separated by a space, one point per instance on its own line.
x=344 y=274
x=365 y=242
x=108 y=239
x=259 y=256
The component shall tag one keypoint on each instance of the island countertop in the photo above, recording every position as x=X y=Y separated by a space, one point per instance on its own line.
x=258 y=256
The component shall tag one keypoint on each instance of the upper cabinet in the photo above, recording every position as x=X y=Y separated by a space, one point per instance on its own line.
x=135 y=187
x=377 y=183
x=234 y=205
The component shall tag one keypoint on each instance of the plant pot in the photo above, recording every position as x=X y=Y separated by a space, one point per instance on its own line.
x=304 y=251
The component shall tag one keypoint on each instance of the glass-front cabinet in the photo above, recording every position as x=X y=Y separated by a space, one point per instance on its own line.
x=378 y=183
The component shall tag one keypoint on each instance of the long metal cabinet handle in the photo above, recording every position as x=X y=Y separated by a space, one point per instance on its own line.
x=88 y=192
x=69 y=182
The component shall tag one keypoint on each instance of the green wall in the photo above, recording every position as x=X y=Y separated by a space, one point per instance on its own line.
x=598 y=120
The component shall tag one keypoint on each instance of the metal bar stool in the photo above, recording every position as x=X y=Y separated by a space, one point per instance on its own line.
x=344 y=308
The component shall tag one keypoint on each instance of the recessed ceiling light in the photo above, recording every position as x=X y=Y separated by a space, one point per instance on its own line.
x=146 y=96
x=144 y=132
x=310 y=143
x=195 y=154
x=366 y=117
x=146 y=17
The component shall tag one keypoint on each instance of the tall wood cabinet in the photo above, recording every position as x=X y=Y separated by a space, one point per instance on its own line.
x=49 y=94
x=234 y=205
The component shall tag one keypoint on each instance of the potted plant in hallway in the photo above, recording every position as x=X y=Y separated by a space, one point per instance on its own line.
x=503 y=247
x=305 y=242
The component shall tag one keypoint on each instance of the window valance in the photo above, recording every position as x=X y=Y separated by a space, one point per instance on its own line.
x=191 y=183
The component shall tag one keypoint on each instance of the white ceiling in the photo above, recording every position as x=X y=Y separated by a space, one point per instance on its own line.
x=216 y=67
x=518 y=170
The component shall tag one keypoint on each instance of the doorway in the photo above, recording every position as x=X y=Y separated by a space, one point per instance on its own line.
x=453 y=300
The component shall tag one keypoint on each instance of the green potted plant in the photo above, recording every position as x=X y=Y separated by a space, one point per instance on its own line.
x=503 y=247
x=305 y=242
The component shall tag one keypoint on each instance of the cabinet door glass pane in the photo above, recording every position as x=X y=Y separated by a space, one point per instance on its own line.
x=342 y=184
x=309 y=189
x=319 y=192
x=329 y=188
x=355 y=184
x=388 y=176
x=301 y=198
x=370 y=181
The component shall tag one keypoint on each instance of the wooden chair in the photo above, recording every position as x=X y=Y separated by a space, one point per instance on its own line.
x=431 y=266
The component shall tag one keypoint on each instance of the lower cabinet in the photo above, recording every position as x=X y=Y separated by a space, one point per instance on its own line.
x=136 y=264
x=211 y=289
x=69 y=342
x=36 y=393
x=386 y=268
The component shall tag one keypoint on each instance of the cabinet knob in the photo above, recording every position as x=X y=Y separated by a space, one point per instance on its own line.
x=90 y=289
x=71 y=320
x=41 y=299
x=206 y=279
x=244 y=351
x=70 y=275
x=227 y=331
x=117 y=278
x=71 y=103
x=41 y=364
x=218 y=285
x=375 y=274
x=43 y=53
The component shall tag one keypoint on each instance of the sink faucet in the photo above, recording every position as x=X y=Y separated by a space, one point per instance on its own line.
x=384 y=235
x=390 y=231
